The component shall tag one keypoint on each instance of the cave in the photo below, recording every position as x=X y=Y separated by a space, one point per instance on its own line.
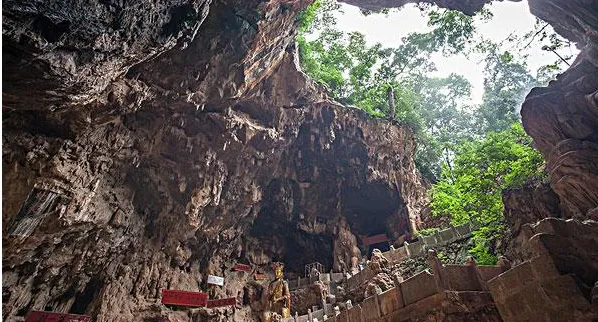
x=370 y=208
x=84 y=299
x=276 y=229
x=185 y=141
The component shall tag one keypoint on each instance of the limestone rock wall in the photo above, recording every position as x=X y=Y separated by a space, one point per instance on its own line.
x=526 y=205
x=159 y=198
x=563 y=120
x=146 y=167
x=146 y=145
x=563 y=117
x=59 y=51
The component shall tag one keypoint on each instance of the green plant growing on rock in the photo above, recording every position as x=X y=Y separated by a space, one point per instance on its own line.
x=471 y=190
x=426 y=232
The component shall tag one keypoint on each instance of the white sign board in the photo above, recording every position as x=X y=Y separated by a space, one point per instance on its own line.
x=216 y=280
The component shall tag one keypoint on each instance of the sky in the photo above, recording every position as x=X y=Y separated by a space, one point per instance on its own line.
x=388 y=29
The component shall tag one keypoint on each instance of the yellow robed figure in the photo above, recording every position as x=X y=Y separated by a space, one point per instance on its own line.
x=278 y=295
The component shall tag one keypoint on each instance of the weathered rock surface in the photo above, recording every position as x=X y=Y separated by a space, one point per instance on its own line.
x=59 y=51
x=161 y=197
x=306 y=298
x=214 y=152
x=524 y=206
x=530 y=204
x=466 y=6
x=558 y=276
x=563 y=117
x=563 y=120
x=153 y=144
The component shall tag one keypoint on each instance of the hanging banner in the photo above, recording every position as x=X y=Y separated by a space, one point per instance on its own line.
x=184 y=298
x=222 y=302
x=43 y=316
x=216 y=280
x=243 y=268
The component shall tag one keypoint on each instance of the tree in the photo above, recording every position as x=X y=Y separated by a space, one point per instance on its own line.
x=366 y=76
x=453 y=30
x=446 y=121
x=543 y=36
x=471 y=190
x=506 y=83
x=354 y=72
x=318 y=15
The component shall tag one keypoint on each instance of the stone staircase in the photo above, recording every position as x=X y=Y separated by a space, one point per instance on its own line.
x=417 y=294
x=552 y=285
x=418 y=248
x=439 y=238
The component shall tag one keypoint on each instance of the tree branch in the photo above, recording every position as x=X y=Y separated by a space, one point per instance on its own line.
x=563 y=59
x=535 y=35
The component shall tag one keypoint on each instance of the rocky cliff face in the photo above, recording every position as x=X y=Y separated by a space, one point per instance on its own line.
x=563 y=117
x=563 y=120
x=524 y=206
x=145 y=147
x=161 y=197
x=148 y=145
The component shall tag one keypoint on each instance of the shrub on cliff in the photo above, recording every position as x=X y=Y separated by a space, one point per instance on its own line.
x=470 y=189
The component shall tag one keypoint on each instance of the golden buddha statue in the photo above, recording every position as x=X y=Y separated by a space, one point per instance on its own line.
x=278 y=296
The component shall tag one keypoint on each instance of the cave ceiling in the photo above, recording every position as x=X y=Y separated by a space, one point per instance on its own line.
x=149 y=144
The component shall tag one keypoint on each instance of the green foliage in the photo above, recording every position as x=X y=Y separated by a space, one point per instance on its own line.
x=318 y=15
x=543 y=36
x=453 y=31
x=506 y=83
x=548 y=72
x=471 y=153
x=451 y=27
x=308 y=16
x=361 y=75
x=426 y=232
x=447 y=121
x=471 y=188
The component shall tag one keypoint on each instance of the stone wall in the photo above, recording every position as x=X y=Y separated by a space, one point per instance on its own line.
x=364 y=275
x=425 y=294
x=439 y=238
x=556 y=283
x=418 y=287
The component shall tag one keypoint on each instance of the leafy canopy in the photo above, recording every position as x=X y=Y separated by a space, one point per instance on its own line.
x=471 y=190
x=470 y=152
x=365 y=76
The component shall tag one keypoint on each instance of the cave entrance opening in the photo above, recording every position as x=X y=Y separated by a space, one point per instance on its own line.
x=450 y=76
x=456 y=80
x=284 y=235
x=378 y=214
